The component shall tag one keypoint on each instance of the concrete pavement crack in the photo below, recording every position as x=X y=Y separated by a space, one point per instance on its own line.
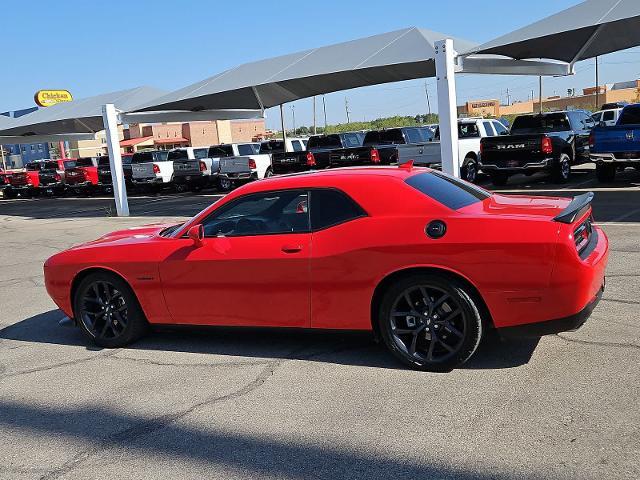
x=147 y=361
x=626 y=302
x=598 y=343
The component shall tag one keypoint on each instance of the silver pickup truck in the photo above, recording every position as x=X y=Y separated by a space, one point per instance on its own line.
x=244 y=164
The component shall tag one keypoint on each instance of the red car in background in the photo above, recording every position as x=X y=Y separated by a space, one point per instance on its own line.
x=426 y=261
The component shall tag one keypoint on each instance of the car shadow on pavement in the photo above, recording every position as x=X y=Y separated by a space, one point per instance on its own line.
x=100 y=433
x=327 y=346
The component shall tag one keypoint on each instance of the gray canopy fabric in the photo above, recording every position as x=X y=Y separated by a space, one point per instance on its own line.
x=589 y=29
x=78 y=116
x=388 y=57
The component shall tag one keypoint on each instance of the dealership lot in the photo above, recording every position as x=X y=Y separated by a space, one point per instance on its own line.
x=225 y=403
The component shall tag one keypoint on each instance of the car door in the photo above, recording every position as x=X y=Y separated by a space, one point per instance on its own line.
x=252 y=268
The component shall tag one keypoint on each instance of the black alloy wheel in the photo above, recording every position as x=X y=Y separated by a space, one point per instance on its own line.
x=107 y=310
x=224 y=184
x=470 y=171
x=268 y=173
x=430 y=323
x=561 y=172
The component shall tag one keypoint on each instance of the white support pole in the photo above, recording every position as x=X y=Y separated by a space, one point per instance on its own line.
x=447 y=106
x=110 y=119
x=284 y=128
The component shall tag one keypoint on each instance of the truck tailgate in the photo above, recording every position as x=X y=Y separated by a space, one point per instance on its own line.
x=142 y=170
x=234 y=165
x=624 y=141
x=186 y=167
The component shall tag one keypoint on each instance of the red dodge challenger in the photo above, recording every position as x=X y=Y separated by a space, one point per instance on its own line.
x=426 y=261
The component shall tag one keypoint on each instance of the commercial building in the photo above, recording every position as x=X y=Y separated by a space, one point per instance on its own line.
x=15 y=155
x=609 y=93
x=165 y=136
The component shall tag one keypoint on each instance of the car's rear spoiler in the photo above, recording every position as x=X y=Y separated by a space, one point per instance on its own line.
x=578 y=207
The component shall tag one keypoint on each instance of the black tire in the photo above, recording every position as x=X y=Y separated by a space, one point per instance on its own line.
x=224 y=184
x=268 y=173
x=451 y=319
x=499 y=179
x=561 y=172
x=470 y=170
x=605 y=172
x=124 y=322
x=180 y=187
x=8 y=193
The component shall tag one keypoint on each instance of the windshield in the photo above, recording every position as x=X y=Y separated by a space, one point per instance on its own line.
x=552 y=122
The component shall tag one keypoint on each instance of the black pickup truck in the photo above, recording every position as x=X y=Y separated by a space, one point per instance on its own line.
x=316 y=156
x=384 y=147
x=549 y=142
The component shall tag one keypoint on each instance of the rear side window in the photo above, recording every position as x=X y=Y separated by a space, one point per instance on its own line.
x=199 y=153
x=332 y=207
x=488 y=128
x=247 y=149
x=608 y=115
x=448 y=191
x=414 y=135
x=220 y=151
x=297 y=145
x=178 y=155
x=500 y=129
x=630 y=116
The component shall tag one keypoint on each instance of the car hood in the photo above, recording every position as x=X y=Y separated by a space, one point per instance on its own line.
x=520 y=205
x=130 y=235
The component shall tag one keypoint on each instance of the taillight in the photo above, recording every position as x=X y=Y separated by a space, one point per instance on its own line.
x=57 y=177
x=481 y=147
x=311 y=160
x=375 y=155
x=592 y=140
x=203 y=166
x=29 y=180
x=252 y=164
x=156 y=168
x=546 y=146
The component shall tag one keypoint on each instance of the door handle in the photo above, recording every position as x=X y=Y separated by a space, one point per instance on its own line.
x=292 y=248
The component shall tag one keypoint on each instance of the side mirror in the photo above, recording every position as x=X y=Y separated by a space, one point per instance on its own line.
x=196 y=233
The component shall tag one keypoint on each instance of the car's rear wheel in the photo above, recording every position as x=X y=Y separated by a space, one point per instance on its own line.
x=499 y=179
x=470 y=170
x=605 y=172
x=268 y=173
x=107 y=310
x=430 y=322
x=224 y=184
x=562 y=170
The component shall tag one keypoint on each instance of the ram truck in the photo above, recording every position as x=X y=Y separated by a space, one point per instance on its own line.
x=189 y=168
x=617 y=147
x=384 y=147
x=38 y=177
x=550 y=142
x=470 y=132
x=151 y=169
x=316 y=155
x=245 y=165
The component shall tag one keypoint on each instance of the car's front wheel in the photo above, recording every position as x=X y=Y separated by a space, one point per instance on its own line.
x=107 y=310
x=430 y=322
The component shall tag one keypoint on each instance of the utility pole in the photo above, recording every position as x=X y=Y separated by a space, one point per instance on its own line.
x=346 y=109
x=597 y=86
x=426 y=91
x=324 y=107
x=293 y=111
x=508 y=98
x=314 y=115
x=540 y=79
x=4 y=162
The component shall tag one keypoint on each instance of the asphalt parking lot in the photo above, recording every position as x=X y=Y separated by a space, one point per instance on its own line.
x=244 y=404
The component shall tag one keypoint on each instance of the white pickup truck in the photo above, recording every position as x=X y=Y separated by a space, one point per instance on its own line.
x=151 y=169
x=470 y=131
x=246 y=164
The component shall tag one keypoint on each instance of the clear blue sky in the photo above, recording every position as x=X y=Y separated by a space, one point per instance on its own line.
x=91 y=48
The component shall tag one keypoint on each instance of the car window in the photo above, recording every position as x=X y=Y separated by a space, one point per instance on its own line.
x=50 y=165
x=427 y=133
x=608 y=115
x=468 y=130
x=413 y=135
x=597 y=117
x=324 y=141
x=500 y=129
x=297 y=146
x=216 y=151
x=32 y=167
x=331 y=207
x=69 y=164
x=488 y=128
x=351 y=140
x=393 y=136
x=261 y=214
x=550 y=122
x=199 y=153
x=178 y=155
x=246 y=149
x=449 y=191
x=103 y=161
x=84 y=162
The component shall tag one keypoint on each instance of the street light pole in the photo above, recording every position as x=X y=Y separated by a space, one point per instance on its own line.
x=314 y=115
x=284 y=129
x=324 y=107
x=293 y=111
x=540 y=99
x=597 y=86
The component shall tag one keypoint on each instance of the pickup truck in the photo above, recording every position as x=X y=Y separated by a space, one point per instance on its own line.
x=470 y=132
x=384 y=147
x=618 y=147
x=316 y=155
x=104 y=173
x=246 y=164
x=189 y=168
x=607 y=118
x=151 y=169
x=551 y=142
x=88 y=176
x=38 y=177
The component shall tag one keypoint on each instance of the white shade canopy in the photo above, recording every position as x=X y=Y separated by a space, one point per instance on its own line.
x=388 y=57
x=589 y=29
